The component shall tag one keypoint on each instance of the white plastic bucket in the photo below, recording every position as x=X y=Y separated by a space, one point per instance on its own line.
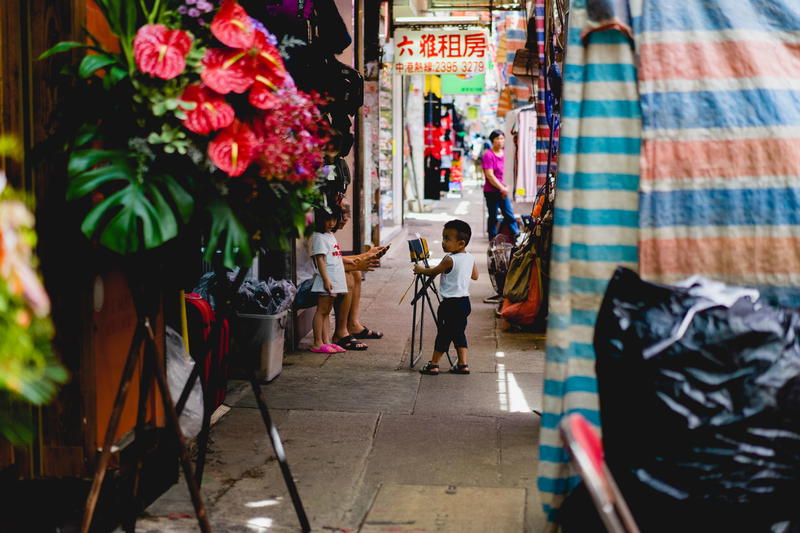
x=260 y=339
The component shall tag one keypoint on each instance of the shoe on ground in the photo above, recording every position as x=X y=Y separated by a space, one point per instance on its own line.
x=496 y=299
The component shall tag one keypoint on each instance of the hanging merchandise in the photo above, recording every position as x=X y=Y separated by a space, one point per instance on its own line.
x=519 y=273
x=310 y=33
x=693 y=193
x=506 y=102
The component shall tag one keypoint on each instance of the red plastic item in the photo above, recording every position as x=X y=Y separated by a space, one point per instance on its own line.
x=212 y=356
x=586 y=451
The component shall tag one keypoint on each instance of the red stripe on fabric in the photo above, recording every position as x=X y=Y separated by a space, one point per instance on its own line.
x=740 y=256
x=725 y=159
x=730 y=59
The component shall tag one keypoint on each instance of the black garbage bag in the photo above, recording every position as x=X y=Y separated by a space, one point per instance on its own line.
x=268 y=297
x=700 y=397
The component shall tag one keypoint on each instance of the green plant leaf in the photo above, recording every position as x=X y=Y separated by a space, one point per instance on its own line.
x=132 y=219
x=63 y=46
x=183 y=200
x=86 y=133
x=115 y=75
x=228 y=235
x=141 y=213
x=82 y=160
x=131 y=19
x=92 y=63
x=90 y=180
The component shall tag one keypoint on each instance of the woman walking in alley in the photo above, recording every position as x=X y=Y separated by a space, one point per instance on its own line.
x=495 y=191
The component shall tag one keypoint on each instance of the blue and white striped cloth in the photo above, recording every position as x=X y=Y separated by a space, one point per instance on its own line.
x=595 y=227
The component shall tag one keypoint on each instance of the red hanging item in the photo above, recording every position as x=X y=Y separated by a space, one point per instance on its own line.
x=210 y=354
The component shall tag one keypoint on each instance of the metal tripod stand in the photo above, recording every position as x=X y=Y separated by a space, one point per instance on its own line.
x=421 y=285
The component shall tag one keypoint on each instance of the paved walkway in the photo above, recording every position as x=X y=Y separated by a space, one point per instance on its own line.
x=375 y=446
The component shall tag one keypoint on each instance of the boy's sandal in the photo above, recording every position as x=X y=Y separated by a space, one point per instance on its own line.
x=430 y=369
x=459 y=369
x=367 y=333
x=351 y=343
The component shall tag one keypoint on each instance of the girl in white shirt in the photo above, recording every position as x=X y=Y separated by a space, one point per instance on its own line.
x=330 y=279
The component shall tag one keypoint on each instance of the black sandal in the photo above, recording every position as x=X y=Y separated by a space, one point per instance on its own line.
x=367 y=333
x=351 y=343
x=428 y=369
x=459 y=369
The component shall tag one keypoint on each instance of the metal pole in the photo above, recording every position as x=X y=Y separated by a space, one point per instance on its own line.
x=414 y=355
x=359 y=207
x=277 y=445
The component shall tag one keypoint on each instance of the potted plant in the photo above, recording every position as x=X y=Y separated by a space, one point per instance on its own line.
x=194 y=127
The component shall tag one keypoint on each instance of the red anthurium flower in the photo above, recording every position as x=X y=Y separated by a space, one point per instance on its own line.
x=161 y=52
x=232 y=26
x=211 y=113
x=234 y=148
x=269 y=74
x=263 y=97
x=227 y=70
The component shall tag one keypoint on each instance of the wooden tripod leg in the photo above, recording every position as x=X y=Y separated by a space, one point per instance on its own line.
x=172 y=420
x=136 y=502
x=277 y=445
x=111 y=430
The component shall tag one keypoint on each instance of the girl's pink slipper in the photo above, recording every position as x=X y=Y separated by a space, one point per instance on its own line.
x=337 y=348
x=325 y=348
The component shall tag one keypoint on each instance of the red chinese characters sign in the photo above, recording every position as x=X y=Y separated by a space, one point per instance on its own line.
x=434 y=51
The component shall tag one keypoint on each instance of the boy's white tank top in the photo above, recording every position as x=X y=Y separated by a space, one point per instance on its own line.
x=455 y=284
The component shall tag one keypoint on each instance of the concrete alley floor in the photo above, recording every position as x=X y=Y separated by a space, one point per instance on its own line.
x=375 y=446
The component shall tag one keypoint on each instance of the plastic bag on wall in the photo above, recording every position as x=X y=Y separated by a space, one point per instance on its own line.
x=700 y=393
x=179 y=367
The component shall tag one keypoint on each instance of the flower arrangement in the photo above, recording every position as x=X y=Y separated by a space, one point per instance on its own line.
x=29 y=372
x=194 y=123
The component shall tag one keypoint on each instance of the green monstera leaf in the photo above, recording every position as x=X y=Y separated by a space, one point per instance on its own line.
x=228 y=235
x=139 y=213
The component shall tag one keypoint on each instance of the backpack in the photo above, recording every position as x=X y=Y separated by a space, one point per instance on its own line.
x=212 y=357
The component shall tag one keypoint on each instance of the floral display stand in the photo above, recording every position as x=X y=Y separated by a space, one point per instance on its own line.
x=193 y=132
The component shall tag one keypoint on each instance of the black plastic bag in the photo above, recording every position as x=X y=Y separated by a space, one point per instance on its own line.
x=700 y=395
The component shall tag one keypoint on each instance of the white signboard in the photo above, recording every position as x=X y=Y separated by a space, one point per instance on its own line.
x=436 y=51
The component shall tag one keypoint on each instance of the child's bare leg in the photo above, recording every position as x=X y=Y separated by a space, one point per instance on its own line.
x=319 y=328
x=437 y=355
x=462 y=356
x=326 y=326
x=322 y=321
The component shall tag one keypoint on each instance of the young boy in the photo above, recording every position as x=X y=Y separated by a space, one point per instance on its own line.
x=456 y=269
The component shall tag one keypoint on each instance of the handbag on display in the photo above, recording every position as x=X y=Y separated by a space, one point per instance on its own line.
x=525 y=65
x=527 y=311
x=515 y=288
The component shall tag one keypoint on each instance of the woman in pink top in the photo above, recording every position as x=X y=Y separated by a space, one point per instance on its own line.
x=494 y=190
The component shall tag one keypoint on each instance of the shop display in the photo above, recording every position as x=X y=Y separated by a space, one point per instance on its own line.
x=386 y=146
